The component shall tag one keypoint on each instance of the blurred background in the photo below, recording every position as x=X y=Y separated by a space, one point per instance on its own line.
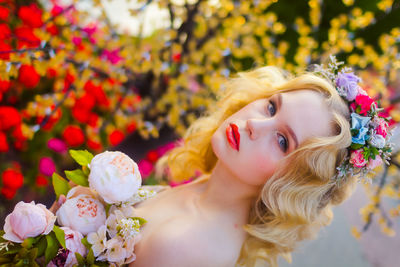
x=132 y=75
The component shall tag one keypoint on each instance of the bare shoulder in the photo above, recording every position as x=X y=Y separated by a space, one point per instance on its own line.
x=183 y=243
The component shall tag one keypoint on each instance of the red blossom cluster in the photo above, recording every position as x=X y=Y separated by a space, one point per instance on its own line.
x=12 y=180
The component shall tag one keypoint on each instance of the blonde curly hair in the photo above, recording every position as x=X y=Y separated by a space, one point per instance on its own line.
x=296 y=201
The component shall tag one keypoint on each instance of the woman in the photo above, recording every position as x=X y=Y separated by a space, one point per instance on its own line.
x=269 y=151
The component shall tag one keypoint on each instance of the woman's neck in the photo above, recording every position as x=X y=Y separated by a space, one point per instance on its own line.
x=226 y=193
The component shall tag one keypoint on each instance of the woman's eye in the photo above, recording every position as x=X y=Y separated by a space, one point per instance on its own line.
x=283 y=143
x=271 y=108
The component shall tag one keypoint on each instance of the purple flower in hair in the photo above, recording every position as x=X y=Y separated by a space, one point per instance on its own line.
x=348 y=85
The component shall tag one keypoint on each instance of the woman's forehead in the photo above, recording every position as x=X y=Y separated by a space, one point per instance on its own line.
x=306 y=113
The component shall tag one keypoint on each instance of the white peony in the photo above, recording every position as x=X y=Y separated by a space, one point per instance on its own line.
x=115 y=176
x=81 y=212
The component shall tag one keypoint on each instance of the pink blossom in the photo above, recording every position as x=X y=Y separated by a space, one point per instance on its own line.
x=28 y=220
x=365 y=102
x=47 y=166
x=357 y=158
x=112 y=56
x=382 y=128
x=56 y=10
x=77 y=40
x=373 y=163
x=145 y=168
x=165 y=148
x=73 y=244
x=57 y=145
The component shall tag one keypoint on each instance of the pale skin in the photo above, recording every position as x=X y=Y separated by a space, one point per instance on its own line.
x=201 y=223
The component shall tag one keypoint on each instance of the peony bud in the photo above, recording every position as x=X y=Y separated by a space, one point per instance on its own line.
x=28 y=220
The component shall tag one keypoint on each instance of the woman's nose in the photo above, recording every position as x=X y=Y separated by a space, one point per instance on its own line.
x=258 y=127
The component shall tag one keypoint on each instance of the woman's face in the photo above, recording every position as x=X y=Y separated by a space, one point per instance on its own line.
x=252 y=141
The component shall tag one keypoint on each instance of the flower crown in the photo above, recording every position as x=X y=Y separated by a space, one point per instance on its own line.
x=370 y=145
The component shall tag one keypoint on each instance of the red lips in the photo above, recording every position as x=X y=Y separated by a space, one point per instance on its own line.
x=233 y=136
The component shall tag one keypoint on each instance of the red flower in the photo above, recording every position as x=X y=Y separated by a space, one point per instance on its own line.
x=41 y=181
x=80 y=114
x=51 y=73
x=116 y=137
x=93 y=119
x=152 y=156
x=68 y=80
x=94 y=144
x=52 y=29
x=4 y=86
x=87 y=101
x=51 y=121
x=31 y=15
x=4 y=13
x=9 y=117
x=8 y=193
x=3 y=142
x=131 y=127
x=176 y=57
x=5 y=47
x=5 y=31
x=73 y=135
x=12 y=179
x=26 y=37
x=97 y=92
x=365 y=102
x=28 y=76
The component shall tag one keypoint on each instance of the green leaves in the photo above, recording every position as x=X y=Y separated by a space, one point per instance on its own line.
x=141 y=220
x=60 y=235
x=82 y=157
x=52 y=247
x=356 y=146
x=77 y=176
x=61 y=186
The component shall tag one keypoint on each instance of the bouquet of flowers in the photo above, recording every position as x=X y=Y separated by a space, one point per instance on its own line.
x=95 y=226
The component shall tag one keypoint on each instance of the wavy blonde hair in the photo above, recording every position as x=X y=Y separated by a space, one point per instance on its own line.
x=296 y=201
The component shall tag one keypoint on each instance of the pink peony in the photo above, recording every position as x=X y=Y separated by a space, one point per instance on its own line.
x=357 y=158
x=365 y=102
x=373 y=163
x=145 y=168
x=28 y=220
x=47 y=166
x=73 y=244
x=57 y=145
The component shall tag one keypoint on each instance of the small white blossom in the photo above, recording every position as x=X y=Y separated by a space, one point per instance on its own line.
x=377 y=140
x=128 y=228
x=98 y=240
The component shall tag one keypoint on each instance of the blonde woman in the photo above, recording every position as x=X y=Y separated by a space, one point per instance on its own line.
x=269 y=150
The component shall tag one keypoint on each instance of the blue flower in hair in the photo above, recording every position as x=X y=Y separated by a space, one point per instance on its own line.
x=359 y=126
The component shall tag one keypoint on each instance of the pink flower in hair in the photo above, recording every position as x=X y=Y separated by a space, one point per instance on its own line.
x=365 y=102
x=373 y=163
x=382 y=128
x=357 y=158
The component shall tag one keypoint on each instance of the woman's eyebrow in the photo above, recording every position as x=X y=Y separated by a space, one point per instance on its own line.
x=287 y=127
